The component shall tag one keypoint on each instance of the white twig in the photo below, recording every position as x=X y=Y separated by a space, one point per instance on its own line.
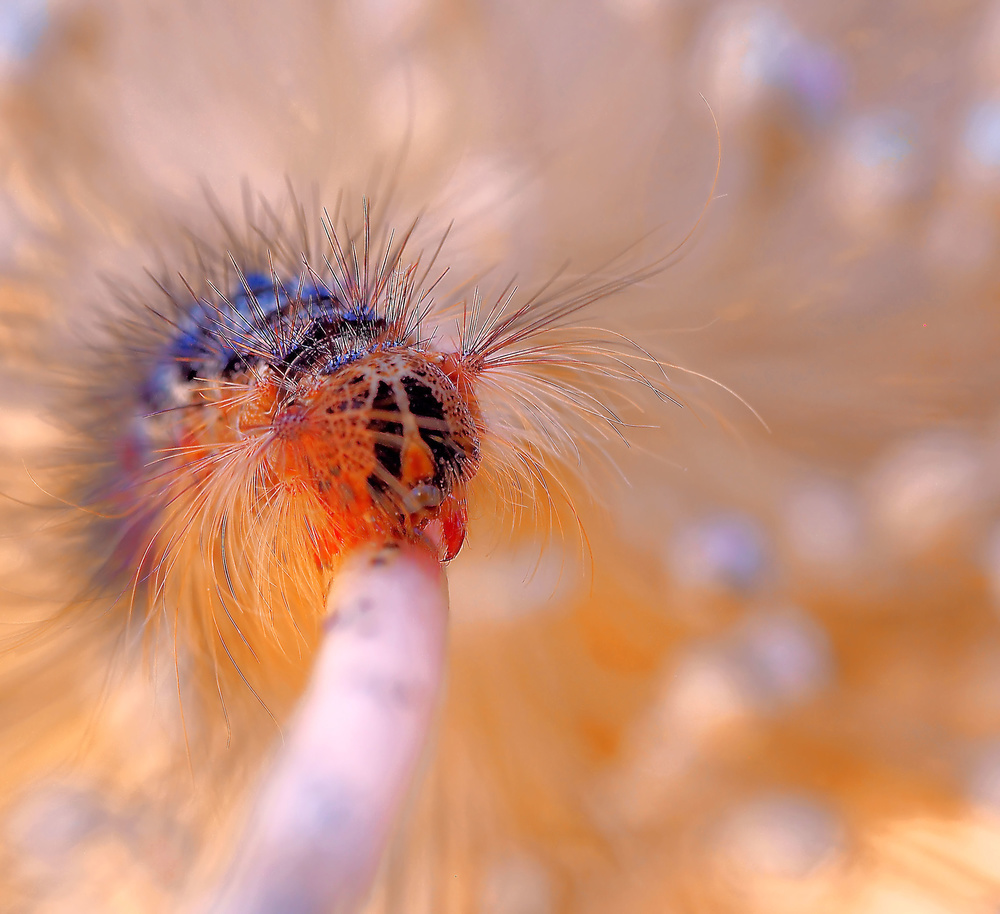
x=328 y=807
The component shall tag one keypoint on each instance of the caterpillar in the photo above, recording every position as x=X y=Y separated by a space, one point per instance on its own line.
x=297 y=389
x=301 y=390
x=199 y=508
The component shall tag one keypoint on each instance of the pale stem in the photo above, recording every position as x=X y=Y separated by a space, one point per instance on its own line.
x=327 y=808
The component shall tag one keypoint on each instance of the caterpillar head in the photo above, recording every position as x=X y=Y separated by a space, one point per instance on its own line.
x=331 y=405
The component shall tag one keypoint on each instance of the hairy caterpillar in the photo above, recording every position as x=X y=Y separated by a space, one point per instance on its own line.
x=303 y=388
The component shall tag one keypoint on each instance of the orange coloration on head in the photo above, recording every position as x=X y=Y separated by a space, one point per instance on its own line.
x=385 y=445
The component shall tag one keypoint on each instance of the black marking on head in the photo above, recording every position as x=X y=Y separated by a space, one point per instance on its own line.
x=389 y=455
x=385 y=399
x=423 y=403
x=450 y=458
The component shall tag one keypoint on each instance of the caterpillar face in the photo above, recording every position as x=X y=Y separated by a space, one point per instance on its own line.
x=344 y=409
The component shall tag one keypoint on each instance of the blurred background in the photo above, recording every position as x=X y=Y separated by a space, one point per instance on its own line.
x=772 y=682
